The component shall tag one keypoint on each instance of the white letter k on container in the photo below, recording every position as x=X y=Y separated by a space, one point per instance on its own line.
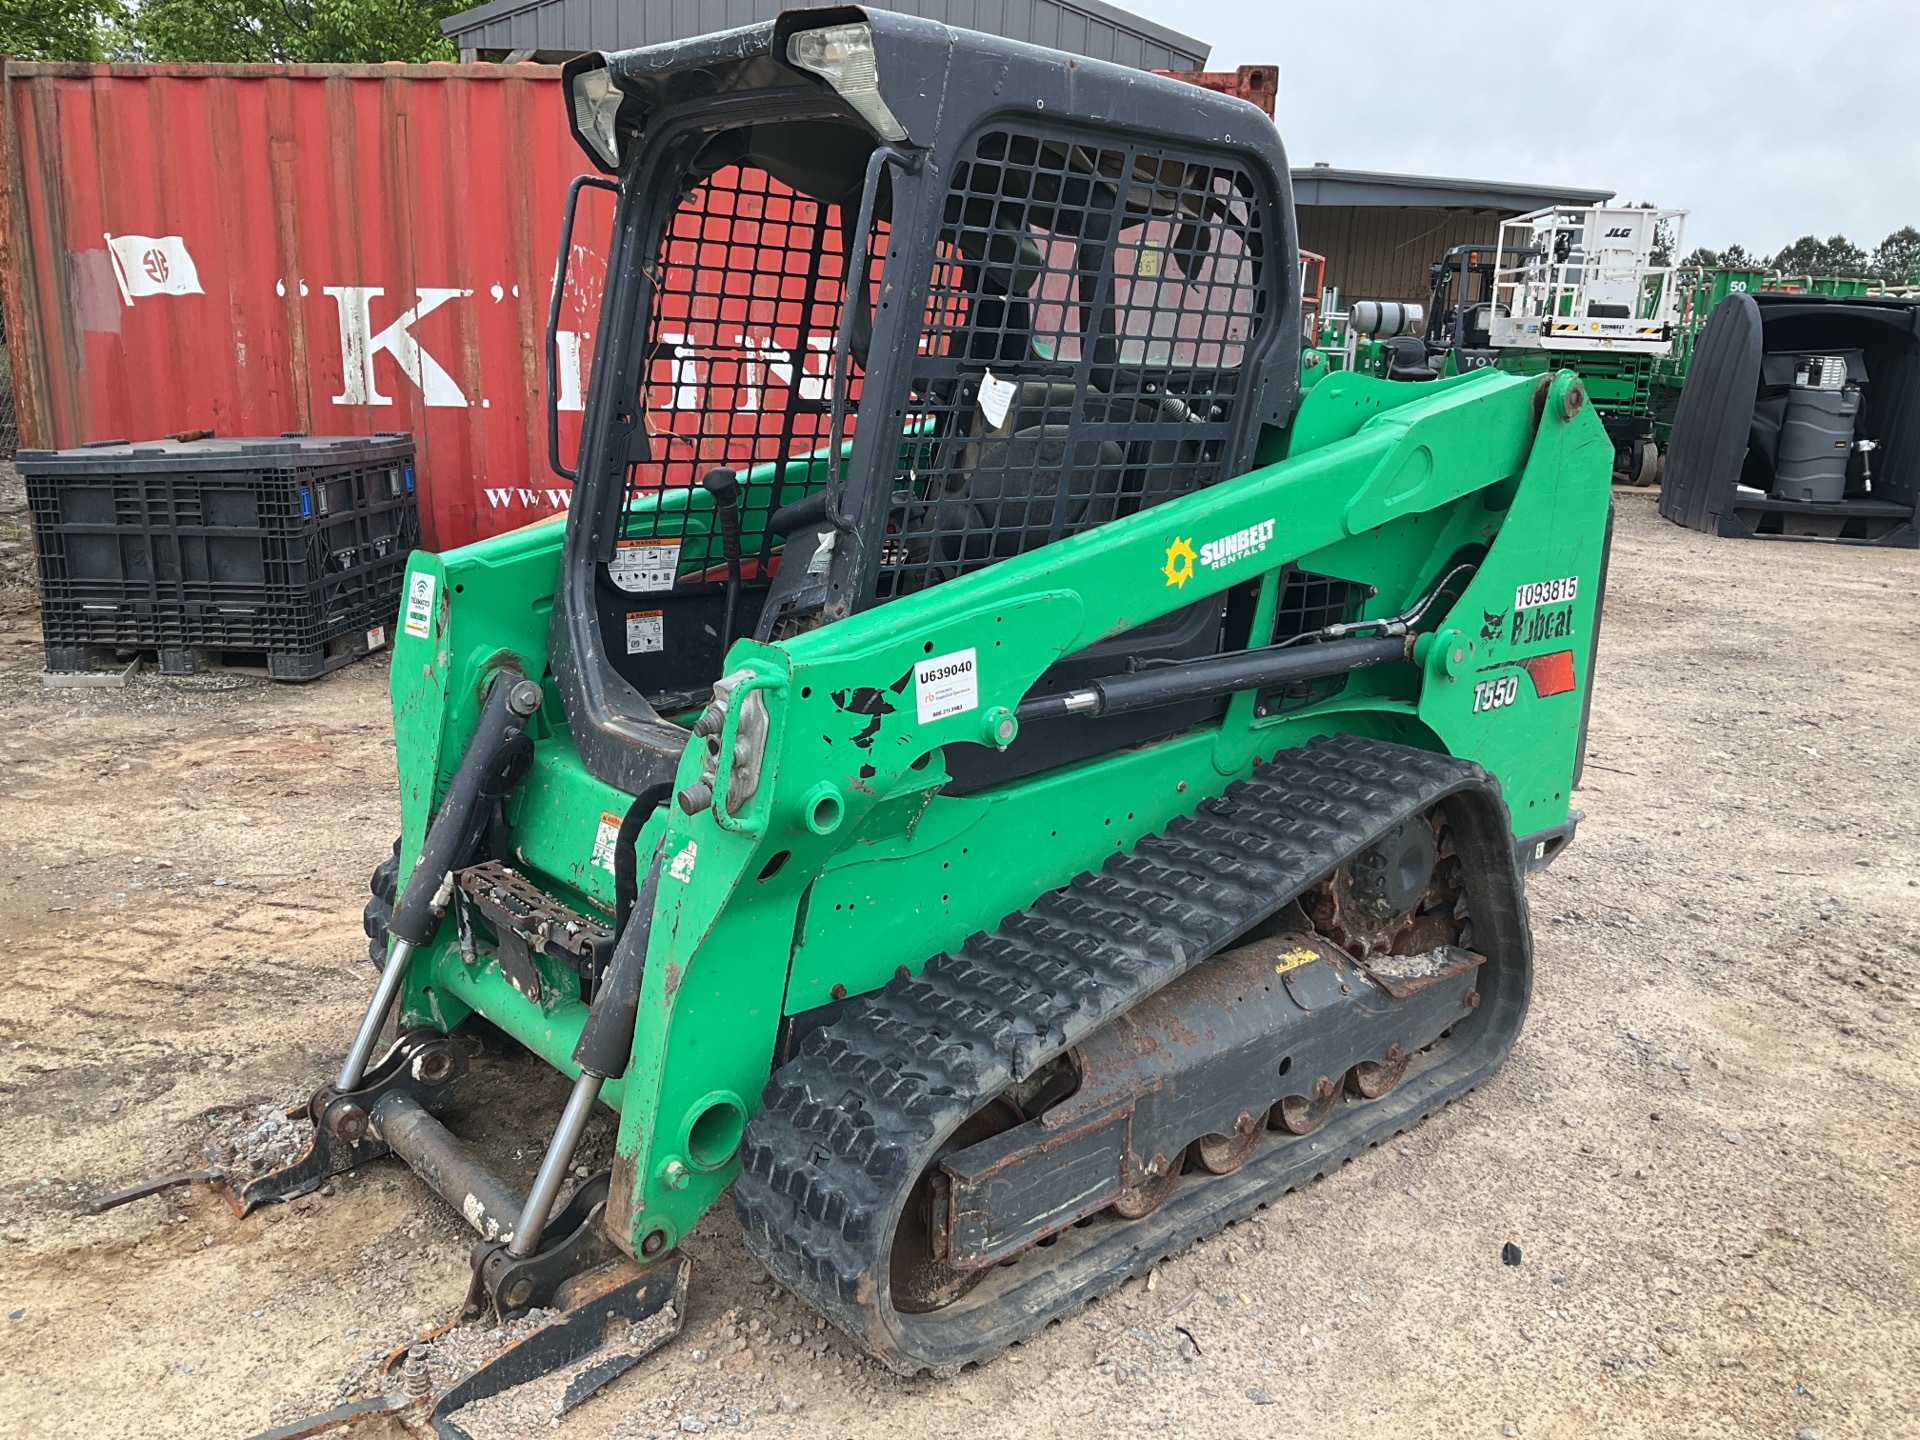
x=359 y=345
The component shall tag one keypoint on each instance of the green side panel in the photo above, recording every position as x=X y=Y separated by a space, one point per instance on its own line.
x=1514 y=699
x=463 y=614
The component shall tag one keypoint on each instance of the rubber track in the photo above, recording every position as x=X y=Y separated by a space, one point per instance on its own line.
x=847 y=1126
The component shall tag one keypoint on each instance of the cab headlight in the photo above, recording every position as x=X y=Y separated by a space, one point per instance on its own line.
x=843 y=56
x=596 y=101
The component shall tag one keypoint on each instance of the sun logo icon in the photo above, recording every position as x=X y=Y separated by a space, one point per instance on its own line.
x=1179 y=566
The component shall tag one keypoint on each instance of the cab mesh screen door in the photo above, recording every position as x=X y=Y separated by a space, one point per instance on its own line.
x=1091 y=308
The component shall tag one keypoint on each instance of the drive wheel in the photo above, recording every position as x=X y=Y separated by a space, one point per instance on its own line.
x=1304 y=1114
x=1146 y=1195
x=1643 y=462
x=384 y=886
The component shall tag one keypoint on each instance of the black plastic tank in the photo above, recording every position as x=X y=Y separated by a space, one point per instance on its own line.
x=1816 y=432
x=1755 y=455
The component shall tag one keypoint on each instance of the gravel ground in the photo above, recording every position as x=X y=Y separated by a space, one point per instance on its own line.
x=1703 y=1145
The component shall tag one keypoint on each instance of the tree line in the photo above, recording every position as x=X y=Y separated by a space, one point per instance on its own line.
x=229 y=31
x=1895 y=260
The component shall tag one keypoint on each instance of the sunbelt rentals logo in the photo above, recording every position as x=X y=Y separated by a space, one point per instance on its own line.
x=1215 y=554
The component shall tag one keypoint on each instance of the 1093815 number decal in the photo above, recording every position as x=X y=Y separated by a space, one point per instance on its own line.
x=1496 y=694
x=1546 y=592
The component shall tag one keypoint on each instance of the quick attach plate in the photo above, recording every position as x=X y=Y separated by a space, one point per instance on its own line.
x=610 y=1319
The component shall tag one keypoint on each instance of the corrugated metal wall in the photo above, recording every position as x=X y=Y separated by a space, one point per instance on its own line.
x=1099 y=31
x=335 y=249
x=1377 y=252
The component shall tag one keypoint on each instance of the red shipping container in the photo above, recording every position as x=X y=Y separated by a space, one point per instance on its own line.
x=335 y=249
x=340 y=249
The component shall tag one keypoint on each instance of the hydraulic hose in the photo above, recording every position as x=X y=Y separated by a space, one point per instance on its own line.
x=606 y=1040
x=493 y=764
x=1330 y=650
x=626 y=877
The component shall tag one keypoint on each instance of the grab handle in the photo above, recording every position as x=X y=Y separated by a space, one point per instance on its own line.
x=580 y=182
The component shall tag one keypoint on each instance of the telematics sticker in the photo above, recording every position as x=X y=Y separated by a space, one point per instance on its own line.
x=946 y=685
x=606 y=840
x=1546 y=592
x=640 y=566
x=419 y=621
x=646 y=631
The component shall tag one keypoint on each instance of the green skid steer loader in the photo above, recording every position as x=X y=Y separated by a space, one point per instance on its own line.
x=989 y=765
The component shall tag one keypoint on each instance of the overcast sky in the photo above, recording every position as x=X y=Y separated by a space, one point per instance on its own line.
x=1766 y=120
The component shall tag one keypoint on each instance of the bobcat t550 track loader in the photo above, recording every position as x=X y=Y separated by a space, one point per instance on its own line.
x=991 y=762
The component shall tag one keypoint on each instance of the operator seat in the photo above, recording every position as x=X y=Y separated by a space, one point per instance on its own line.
x=1013 y=480
x=1407 y=359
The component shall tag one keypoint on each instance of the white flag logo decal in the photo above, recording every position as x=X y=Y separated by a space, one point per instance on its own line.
x=153 y=265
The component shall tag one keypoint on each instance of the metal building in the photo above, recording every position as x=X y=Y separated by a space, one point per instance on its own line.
x=1380 y=232
x=554 y=29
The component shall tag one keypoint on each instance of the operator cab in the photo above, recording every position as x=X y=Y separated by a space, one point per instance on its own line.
x=871 y=324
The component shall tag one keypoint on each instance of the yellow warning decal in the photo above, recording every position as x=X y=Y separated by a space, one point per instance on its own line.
x=1294 y=959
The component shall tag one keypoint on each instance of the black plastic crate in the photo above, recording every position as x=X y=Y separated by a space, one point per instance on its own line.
x=292 y=547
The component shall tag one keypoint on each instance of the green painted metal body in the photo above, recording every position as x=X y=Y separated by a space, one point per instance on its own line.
x=849 y=863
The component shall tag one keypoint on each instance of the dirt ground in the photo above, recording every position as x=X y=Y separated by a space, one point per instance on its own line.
x=1704 y=1145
